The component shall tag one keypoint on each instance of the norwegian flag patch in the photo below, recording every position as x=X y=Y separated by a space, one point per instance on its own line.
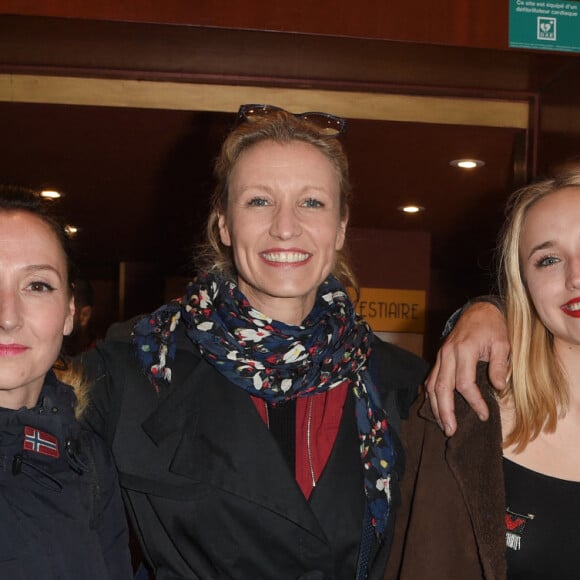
x=40 y=442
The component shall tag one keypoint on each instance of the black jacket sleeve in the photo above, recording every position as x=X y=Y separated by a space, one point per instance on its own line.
x=99 y=364
x=109 y=517
x=398 y=374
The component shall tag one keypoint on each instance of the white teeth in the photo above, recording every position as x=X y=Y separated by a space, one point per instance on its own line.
x=285 y=257
x=573 y=307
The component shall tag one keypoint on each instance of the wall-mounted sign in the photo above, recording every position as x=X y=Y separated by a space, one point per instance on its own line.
x=545 y=25
x=393 y=310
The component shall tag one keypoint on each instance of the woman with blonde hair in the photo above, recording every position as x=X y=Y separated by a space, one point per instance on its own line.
x=502 y=498
x=247 y=419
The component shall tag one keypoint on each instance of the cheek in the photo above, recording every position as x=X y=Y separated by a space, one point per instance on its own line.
x=333 y=236
x=56 y=322
x=543 y=294
x=246 y=235
x=534 y=294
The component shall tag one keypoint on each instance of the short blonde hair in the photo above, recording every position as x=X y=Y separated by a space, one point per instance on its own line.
x=282 y=127
x=536 y=380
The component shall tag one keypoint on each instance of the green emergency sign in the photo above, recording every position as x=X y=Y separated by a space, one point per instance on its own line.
x=545 y=25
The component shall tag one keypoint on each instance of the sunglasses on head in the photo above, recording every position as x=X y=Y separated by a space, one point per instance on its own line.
x=327 y=125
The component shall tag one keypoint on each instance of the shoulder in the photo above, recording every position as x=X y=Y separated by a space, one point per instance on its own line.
x=117 y=378
x=120 y=334
x=109 y=369
x=398 y=374
x=122 y=331
x=398 y=368
x=115 y=348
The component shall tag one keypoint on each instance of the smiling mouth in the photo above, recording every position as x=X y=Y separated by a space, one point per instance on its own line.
x=571 y=308
x=285 y=257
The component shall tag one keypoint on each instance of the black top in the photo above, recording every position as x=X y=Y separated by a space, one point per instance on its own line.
x=282 y=426
x=542 y=525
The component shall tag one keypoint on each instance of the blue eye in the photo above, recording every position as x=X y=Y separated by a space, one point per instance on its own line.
x=258 y=202
x=311 y=202
x=547 y=261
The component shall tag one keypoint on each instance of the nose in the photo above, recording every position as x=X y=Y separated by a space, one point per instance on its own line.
x=10 y=311
x=285 y=223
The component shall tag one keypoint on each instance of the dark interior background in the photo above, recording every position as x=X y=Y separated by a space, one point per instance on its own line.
x=127 y=173
x=137 y=181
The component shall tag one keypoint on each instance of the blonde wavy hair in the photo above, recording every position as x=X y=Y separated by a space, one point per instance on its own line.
x=281 y=127
x=536 y=381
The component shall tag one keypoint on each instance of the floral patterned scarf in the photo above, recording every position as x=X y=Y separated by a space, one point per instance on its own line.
x=279 y=362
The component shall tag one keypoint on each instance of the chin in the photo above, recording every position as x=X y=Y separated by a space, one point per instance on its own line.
x=294 y=293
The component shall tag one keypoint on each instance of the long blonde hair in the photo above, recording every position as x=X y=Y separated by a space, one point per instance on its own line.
x=283 y=127
x=536 y=380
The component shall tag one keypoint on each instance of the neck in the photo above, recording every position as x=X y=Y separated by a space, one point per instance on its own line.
x=25 y=396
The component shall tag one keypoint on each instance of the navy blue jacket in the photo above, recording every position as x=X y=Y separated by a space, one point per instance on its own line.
x=61 y=514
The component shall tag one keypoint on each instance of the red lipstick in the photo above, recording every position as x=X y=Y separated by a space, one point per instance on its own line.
x=12 y=349
x=572 y=308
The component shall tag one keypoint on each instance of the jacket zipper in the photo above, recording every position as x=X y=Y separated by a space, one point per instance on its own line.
x=308 y=443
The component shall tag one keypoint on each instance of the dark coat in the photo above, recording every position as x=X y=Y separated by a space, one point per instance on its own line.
x=61 y=514
x=206 y=485
x=451 y=523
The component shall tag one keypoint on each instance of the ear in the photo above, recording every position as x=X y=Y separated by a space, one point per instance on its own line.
x=224 y=230
x=341 y=233
x=69 y=320
x=85 y=315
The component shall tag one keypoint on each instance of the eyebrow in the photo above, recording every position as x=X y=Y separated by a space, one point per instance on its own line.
x=42 y=267
x=542 y=246
x=268 y=188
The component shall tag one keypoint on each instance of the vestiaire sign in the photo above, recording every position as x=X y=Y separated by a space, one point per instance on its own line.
x=545 y=25
x=392 y=310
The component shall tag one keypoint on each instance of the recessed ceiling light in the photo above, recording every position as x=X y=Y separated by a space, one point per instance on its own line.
x=411 y=208
x=50 y=194
x=467 y=163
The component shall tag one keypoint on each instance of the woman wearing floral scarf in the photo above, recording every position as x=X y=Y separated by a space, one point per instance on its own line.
x=247 y=418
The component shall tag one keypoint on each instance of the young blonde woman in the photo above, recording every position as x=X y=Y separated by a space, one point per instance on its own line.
x=501 y=499
x=247 y=418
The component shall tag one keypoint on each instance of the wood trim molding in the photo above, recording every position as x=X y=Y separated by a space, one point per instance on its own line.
x=227 y=98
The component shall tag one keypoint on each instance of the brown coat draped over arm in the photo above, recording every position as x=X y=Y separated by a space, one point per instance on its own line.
x=451 y=522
